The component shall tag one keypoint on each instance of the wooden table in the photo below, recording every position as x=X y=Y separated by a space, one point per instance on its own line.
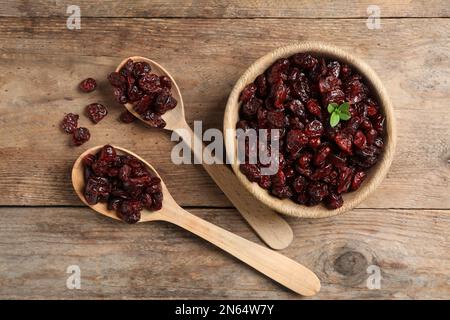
x=403 y=228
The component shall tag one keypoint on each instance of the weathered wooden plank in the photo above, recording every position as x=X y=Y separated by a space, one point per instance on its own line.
x=42 y=63
x=226 y=9
x=150 y=261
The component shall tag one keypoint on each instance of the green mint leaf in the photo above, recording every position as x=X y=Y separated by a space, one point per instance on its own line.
x=344 y=107
x=334 y=119
x=345 y=115
x=331 y=107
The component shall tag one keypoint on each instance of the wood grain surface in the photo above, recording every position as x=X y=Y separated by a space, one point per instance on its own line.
x=403 y=227
x=150 y=260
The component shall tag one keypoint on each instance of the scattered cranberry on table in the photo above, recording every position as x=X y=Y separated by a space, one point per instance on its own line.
x=88 y=85
x=331 y=128
x=149 y=93
x=69 y=123
x=121 y=181
x=96 y=112
x=80 y=136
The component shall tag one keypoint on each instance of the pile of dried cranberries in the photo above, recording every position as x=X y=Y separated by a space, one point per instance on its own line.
x=123 y=182
x=149 y=93
x=318 y=162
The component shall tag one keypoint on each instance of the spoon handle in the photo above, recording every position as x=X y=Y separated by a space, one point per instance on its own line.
x=268 y=224
x=271 y=263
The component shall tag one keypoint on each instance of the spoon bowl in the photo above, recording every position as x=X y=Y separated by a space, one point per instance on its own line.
x=270 y=226
x=174 y=118
x=274 y=265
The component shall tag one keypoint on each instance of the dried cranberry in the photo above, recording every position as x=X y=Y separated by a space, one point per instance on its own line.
x=295 y=140
x=314 y=129
x=96 y=112
x=248 y=92
x=358 y=178
x=164 y=102
x=317 y=162
x=97 y=189
x=141 y=68
x=117 y=80
x=314 y=108
x=127 y=117
x=359 y=140
x=321 y=155
x=282 y=192
x=251 y=171
x=69 y=123
x=334 y=200
x=154 y=120
x=80 y=136
x=88 y=85
x=123 y=182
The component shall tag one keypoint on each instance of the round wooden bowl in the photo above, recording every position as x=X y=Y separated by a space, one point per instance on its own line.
x=375 y=175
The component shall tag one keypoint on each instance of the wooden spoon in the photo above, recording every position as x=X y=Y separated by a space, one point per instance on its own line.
x=269 y=225
x=271 y=263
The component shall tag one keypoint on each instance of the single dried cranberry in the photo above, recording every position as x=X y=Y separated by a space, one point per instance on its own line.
x=329 y=83
x=250 y=108
x=334 y=68
x=130 y=211
x=295 y=140
x=80 y=136
x=89 y=159
x=304 y=160
x=278 y=71
x=344 y=179
x=265 y=182
x=334 y=200
x=164 y=102
x=107 y=153
x=119 y=95
x=314 y=129
x=300 y=88
x=279 y=179
x=358 y=178
x=315 y=142
x=276 y=119
x=248 y=92
x=165 y=82
x=117 y=80
x=97 y=189
x=157 y=201
x=282 y=192
x=313 y=107
x=69 y=123
x=299 y=184
x=141 y=68
x=150 y=83
x=154 y=120
x=317 y=191
x=88 y=85
x=127 y=117
x=261 y=86
x=359 y=140
x=278 y=95
x=304 y=60
x=251 y=171
x=344 y=142
x=96 y=112
x=321 y=155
